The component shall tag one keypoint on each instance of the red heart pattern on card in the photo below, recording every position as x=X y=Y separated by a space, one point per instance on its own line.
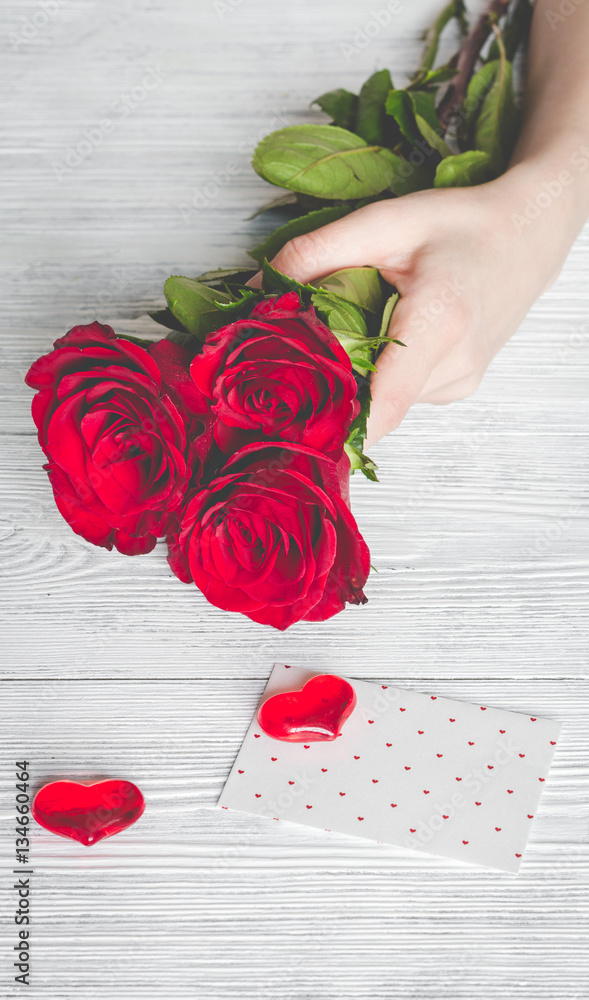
x=88 y=812
x=338 y=793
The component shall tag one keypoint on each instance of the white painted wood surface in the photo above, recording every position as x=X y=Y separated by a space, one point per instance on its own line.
x=479 y=530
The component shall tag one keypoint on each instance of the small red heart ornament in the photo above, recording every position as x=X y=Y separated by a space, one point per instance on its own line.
x=316 y=712
x=88 y=812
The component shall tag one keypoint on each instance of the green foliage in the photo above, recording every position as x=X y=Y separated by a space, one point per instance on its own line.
x=384 y=142
x=347 y=322
x=341 y=106
x=424 y=104
x=387 y=313
x=492 y=113
x=297 y=227
x=400 y=107
x=432 y=137
x=325 y=161
x=464 y=170
x=455 y=10
x=238 y=274
x=360 y=285
x=274 y=282
x=354 y=446
x=370 y=114
x=195 y=305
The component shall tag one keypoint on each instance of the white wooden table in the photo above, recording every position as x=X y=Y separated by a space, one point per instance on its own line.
x=479 y=530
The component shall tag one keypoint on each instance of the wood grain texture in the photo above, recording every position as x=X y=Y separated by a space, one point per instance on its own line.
x=479 y=531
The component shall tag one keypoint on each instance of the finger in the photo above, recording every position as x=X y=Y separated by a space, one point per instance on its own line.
x=339 y=244
x=401 y=372
x=376 y=236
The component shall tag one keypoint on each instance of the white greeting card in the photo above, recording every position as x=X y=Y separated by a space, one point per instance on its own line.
x=421 y=771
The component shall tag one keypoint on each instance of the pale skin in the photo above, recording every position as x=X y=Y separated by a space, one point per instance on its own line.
x=468 y=262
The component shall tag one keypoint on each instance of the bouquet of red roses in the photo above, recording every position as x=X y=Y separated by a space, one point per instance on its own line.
x=236 y=453
x=234 y=437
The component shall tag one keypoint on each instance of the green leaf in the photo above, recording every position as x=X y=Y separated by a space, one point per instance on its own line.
x=165 y=317
x=387 y=313
x=324 y=161
x=360 y=462
x=340 y=105
x=248 y=297
x=274 y=281
x=296 y=227
x=405 y=107
x=238 y=274
x=478 y=88
x=341 y=315
x=432 y=78
x=281 y=202
x=140 y=341
x=359 y=285
x=432 y=137
x=492 y=115
x=355 y=443
x=194 y=304
x=464 y=170
x=400 y=106
x=183 y=338
x=411 y=178
x=424 y=105
x=370 y=115
x=361 y=365
x=454 y=9
x=346 y=321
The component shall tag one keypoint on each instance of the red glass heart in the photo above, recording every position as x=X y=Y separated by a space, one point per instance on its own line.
x=88 y=813
x=316 y=712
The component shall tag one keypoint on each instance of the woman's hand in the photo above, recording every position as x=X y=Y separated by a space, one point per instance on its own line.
x=466 y=268
x=469 y=262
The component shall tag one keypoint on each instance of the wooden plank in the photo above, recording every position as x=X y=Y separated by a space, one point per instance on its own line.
x=479 y=530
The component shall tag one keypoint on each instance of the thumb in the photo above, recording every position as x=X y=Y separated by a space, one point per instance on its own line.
x=401 y=372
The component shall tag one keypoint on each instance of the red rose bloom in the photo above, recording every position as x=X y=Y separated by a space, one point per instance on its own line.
x=124 y=429
x=280 y=374
x=273 y=537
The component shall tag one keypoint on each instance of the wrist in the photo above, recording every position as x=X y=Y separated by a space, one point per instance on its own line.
x=537 y=208
x=556 y=179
